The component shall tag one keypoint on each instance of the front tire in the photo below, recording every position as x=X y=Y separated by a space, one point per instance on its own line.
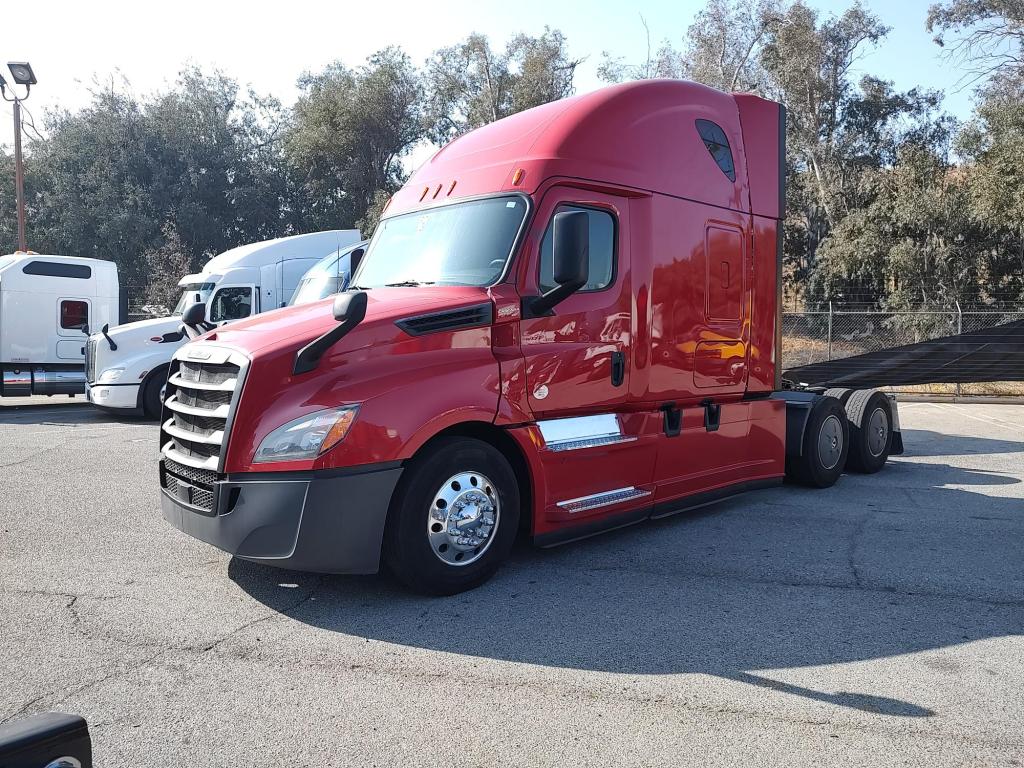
x=151 y=401
x=454 y=517
x=826 y=445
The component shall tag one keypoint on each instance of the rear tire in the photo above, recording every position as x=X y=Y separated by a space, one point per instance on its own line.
x=453 y=518
x=839 y=393
x=870 y=416
x=826 y=444
x=152 y=404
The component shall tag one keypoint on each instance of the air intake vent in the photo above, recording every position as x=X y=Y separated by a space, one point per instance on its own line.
x=448 y=320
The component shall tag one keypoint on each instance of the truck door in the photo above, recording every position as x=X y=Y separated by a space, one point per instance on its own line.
x=233 y=302
x=73 y=317
x=577 y=359
x=720 y=355
x=598 y=461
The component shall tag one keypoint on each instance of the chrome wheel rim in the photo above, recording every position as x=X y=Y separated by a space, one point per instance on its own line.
x=877 y=432
x=463 y=518
x=830 y=442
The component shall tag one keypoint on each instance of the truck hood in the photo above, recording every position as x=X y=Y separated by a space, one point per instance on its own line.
x=154 y=326
x=292 y=327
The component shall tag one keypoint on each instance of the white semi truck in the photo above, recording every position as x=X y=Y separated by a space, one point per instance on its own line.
x=47 y=305
x=126 y=366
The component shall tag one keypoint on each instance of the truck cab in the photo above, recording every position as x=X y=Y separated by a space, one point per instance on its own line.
x=331 y=275
x=47 y=305
x=565 y=322
x=128 y=364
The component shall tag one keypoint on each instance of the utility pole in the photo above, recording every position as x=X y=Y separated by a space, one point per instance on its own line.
x=19 y=177
x=22 y=73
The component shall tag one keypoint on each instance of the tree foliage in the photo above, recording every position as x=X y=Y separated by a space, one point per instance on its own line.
x=889 y=200
x=111 y=177
x=350 y=130
x=470 y=84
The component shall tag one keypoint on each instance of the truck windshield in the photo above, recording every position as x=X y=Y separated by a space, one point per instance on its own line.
x=189 y=296
x=462 y=244
x=327 y=277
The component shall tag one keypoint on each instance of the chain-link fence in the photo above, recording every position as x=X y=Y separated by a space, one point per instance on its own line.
x=814 y=337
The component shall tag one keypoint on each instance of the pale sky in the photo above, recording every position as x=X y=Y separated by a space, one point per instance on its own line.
x=268 y=44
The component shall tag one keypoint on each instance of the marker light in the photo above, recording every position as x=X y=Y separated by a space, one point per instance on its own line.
x=307 y=436
x=518 y=176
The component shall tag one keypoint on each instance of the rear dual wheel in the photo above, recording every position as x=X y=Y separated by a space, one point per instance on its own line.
x=826 y=445
x=870 y=416
x=454 y=517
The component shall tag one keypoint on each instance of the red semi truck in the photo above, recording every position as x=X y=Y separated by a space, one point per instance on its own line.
x=566 y=322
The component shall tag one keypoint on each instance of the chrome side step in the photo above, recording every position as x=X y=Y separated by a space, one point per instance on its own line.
x=603 y=499
x=589 y=442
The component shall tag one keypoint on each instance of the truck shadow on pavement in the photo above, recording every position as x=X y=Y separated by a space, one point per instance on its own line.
x=928 y=443
x=66 y=414
x=775 y=580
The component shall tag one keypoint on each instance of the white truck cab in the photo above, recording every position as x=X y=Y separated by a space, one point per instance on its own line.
x=328 y=276
x=127 y=366
x=47 y=305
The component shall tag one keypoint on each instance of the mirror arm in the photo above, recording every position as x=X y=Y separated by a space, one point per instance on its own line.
x=308 y=358
x=110 y=341
x=542 y=306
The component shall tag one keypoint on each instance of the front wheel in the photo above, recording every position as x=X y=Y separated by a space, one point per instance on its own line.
x=454 y=517
x=151 y=389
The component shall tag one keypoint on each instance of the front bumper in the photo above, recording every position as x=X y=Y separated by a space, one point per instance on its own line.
x=329 y=521
x=113 y=395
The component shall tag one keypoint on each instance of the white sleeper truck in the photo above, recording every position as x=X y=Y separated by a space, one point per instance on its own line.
x=47 y=306
x=126 y=366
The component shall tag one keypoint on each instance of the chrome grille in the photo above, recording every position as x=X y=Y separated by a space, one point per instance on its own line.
x=90 y=360
x=199 y=398
x=192 y=474
x=195 y=486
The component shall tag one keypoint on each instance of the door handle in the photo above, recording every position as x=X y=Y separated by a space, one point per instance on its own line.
x=618 y=368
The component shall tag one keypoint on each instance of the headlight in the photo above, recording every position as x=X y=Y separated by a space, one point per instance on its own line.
x=110 y=375
x=308 y=436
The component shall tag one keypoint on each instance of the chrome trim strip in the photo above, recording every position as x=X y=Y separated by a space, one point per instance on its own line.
x=603 y=499
x=225 y=386
x=565 y=434
x=209 y=463
x=193 y=437
x=221 y=412
x=589 y=442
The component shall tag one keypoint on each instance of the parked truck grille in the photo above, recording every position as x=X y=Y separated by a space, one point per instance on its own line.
x=90 y=360
x=191 y=484
x=199 y=399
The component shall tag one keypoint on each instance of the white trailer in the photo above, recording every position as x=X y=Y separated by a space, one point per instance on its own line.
x=47 y=305
x=126 y=366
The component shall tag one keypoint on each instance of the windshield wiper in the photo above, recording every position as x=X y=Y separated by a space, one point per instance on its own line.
x=358 y=288
x=408 y=283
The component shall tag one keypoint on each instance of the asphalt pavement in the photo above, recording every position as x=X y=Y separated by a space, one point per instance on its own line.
x=876 y=623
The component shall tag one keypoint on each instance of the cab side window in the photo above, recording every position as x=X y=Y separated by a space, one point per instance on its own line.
x=74 y=314
x=717 y=144
x=231 y=304
x=602 y=250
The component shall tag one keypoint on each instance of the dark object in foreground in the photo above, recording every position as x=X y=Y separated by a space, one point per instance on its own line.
x=991 y=354
x=52 y=739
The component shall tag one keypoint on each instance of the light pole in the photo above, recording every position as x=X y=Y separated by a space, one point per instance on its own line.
x=22 y=73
